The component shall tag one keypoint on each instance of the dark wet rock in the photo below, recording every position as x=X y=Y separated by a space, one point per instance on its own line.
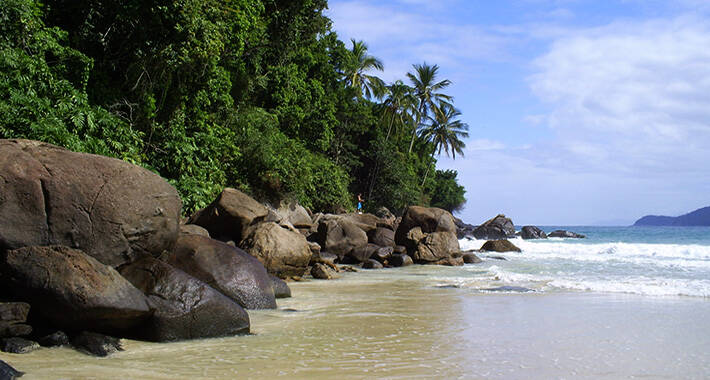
x=283 y=252
x=565 y=234
x=96 y=344
x=281 y=289
x=399 y=249
x=400 y=260
x=17 y=345
x=382 y=236
x=9 y=373
x=193 y=229
x=496 y=228
x=72 y=290
x=509 y=289
x=229 y=216
x=233 y=272
x=382 y=254
x=532 y=232
x=360 y=254
x=55 y=339
x=322 y=272
x=112 y=210
x=499 y=246
x=471 y=258
x=463 y=229
x=339 y=235
x=372 y=264
x=183 y=306
x=448 y=286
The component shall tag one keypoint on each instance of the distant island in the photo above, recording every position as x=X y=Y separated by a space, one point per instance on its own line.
x=699 y=217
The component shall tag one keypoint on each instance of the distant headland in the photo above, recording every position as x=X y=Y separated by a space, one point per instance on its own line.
x=699 y=217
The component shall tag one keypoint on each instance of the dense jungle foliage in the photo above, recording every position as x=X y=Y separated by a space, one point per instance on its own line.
x=255 y=94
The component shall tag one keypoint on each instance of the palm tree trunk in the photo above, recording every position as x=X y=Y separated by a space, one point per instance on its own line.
x=427 y=171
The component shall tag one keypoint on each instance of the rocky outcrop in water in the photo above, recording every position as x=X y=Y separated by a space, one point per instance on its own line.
x=499 y=246
x=72 y=290
x=229 y=216
x=496 y=228
x=96 y=344
x=228 y=269
x=532 y=232
x=565 y=234
x=430 y=236
x=183 y=306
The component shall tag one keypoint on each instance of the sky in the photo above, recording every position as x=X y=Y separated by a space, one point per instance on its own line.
x=580 y=112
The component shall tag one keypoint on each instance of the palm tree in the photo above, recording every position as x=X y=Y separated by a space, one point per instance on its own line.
x=399 y=105
x=361 y=63
x=426 y=90
x=445 y=132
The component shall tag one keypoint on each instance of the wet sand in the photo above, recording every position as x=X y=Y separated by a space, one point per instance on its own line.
x=398 y=324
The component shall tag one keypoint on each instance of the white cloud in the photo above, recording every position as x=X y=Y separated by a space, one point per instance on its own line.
x=635 y=95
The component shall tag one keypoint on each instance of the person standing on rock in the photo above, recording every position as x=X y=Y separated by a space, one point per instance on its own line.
x=360 y=201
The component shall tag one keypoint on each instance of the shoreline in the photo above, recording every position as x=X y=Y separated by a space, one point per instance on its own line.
x=346 y=327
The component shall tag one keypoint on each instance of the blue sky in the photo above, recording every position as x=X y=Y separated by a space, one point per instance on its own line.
x=579 y=111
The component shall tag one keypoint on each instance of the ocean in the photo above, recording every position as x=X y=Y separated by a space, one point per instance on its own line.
x=623 y=303
x=657 y=261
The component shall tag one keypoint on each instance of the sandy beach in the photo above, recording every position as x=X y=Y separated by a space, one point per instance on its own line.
x=399 y=324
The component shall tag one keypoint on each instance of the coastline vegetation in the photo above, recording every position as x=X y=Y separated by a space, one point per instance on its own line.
x=257 y=95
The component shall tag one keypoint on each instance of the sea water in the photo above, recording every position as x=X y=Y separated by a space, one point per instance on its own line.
x=659 y=261
x=622 y=303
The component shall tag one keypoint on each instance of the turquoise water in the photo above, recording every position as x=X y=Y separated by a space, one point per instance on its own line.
x=657 y=261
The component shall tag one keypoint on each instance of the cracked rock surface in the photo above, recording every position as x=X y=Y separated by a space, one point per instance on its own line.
x=110 y=209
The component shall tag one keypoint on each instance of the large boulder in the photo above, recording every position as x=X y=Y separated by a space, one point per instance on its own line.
x=283 y=252
x=381 y=236
x=532 y=232
x=233 y=272
x=565 y=234
x=499 y=246
x=294 y=214
x=229 y=216
x=463 y=229
x=193 y=229
x=429 y=234
x=72 y=290
x=496 y=228
x=429 y=219
x=435 y=247
x=184 y=307
x=339 y=235
x=112 y=210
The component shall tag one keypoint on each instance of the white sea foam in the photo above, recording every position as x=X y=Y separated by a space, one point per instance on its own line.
x=637 y=268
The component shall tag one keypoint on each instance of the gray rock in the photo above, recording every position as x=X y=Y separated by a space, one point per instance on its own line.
x=10 y=329
x=322 y=272
x=72 y=290
x=283 y=253
x=382 y=236
x=183 y=306
x=372 y=264
x=112 y=210
x=496 y=228
x=9 y=373
x=17 y=345
x=231 y=271
x=14 y=311
x=193 y=229
x=565 y=234
x=96 y=344
x=532 y=232
x=281 y=289
x=339 y=235
x=228 y=216
x=471 y=258
x=499 y=246
x=400 y=260
x=55 y=339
